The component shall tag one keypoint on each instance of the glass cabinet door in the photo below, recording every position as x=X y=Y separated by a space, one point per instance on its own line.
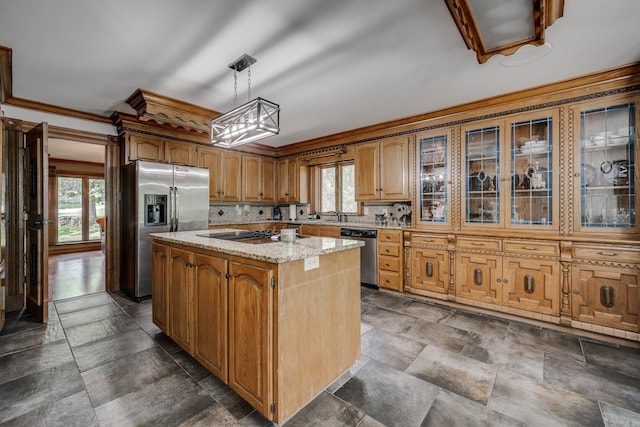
x=607 y=167
x=532 y=172
x=434 y=179
x=482 y=193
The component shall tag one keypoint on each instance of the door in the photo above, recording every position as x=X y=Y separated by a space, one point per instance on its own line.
x=191 y=195
x=37 y=213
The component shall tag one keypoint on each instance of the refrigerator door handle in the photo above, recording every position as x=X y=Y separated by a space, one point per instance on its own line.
x=171 y=209
x=175 y=208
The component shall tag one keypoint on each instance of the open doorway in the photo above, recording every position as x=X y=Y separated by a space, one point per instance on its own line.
x=77 y=210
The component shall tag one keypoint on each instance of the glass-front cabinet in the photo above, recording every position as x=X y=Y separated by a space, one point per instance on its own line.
x=607 y=168
x=434 y=151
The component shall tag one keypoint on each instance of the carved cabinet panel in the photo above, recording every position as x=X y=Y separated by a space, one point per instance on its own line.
x=532 y=285
x=478 y=277
x=430 y=270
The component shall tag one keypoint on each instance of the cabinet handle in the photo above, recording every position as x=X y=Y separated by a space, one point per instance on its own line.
x=530 y=248
x=577 y=174
x=499 y=280
x=505 y=281
x=429 y=269
x=428 y=241
x=529 y=283
x=477 y=276
x=606 y=295
x=386 y=264
x=445 y=273
x=607 y=253
x=576 y=292
x=386 y=250
x=477 y=244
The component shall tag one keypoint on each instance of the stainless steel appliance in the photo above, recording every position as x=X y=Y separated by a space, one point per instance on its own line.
x=277 y=214
x=157 y=197
x=368 y=253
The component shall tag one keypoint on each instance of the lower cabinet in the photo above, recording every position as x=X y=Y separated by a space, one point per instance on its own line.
x=605 y=282
x=179 y=297
x=390 y=260
x=159 y=281
x=429 y=265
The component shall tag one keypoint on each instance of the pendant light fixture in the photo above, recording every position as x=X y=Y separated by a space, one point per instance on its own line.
x=250 y=122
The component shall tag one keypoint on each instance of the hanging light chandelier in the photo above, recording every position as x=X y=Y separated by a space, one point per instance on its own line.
x=255 y=120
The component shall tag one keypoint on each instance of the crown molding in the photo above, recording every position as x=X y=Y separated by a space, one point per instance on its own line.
x=6 y=80
x=54 y=109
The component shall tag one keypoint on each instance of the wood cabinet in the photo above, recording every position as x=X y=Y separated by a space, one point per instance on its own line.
x=157 y=149
x=382 y=170
x=605 y=292
x=523 y=275
x=390 y=270
x=430 y=269
x=258 y=179
x=179 y=297
x=180 y=153
x=159 y=282
x=225 y=179
x=288 y=173
x=209 y=158
x=320 y=230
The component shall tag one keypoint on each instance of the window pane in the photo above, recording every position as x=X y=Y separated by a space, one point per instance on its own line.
x=69 y=209
x=96 y=207
x=328 y=190
x=348 y=177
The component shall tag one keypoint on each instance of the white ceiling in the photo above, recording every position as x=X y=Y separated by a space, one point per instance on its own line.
x=332 y=65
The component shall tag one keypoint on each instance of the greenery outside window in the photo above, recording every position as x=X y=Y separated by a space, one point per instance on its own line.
x=335 y=191
x=80 y=201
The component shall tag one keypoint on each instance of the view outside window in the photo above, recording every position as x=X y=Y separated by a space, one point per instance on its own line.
x=348 y=187
x=72 y=211
x=96 y=206
x=328 y=179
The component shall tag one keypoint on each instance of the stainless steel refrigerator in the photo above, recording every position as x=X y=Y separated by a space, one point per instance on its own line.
x=157 y=197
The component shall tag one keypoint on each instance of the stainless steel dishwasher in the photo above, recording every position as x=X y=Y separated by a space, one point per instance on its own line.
x=368 y=253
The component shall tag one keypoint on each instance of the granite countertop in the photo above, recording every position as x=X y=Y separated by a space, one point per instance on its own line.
x=274 y=252
x=317 y=222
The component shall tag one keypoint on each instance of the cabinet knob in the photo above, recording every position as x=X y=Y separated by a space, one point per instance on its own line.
x=499 y=280
x=577 y=174
x=576 y=292
x=505 y=281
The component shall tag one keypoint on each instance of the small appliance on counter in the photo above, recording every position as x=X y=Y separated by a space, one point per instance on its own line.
x=277 y=214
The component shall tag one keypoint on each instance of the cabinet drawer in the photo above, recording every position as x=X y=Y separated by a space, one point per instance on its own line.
x=479 y=243
x=428 y=239
x=532 y=248
x=390 y=281
x=607 y=253
x=389 y=249
x=389 y=236
x=389 y=263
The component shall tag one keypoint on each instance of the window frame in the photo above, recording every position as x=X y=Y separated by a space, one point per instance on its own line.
x=316 y=187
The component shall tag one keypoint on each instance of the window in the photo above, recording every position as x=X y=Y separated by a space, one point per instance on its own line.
x=80 y=201
x=336 y=188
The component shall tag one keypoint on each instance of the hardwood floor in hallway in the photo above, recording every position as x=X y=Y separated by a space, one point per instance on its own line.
x=75 y=274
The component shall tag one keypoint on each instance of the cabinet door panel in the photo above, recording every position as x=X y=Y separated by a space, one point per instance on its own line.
x=532 y=285
x=250 y=179
x=146 y=148
x=180 y=297
x=210 y=314
x=210 y=158
x=179 y=153
x=477 y=277
x=268 y=171
x=367 y=159
x=250 y=323
x=430 y=271
x=394 y=169
x=159 y=275
x=231 y=177
x=588 y=298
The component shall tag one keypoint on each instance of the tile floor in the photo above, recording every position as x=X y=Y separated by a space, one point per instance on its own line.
x=101 y=361
x=75 y=274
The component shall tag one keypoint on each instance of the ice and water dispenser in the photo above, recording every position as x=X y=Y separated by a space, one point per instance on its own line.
x=155 y=208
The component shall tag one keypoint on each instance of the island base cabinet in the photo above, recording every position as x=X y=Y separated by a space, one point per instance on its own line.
x=250 y=317
x=606 y=296
x=179 y=293
x=159 y=278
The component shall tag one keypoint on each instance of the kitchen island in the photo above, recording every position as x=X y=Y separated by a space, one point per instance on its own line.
x=278 y=322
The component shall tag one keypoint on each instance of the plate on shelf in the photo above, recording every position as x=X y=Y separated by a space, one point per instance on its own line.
x=534 y=150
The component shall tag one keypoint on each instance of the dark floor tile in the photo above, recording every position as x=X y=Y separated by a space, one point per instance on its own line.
x=367 y=421
x=89 y=315
x=37 y=389
x=387 y=320
x=229 y=399
x=169 y=401
x=347 y=375
x=481 y=324
x=391 y=397
x=83 y=303
x=190 y=365
x=255 y=419
x=625 y=360
x=456 y=373
x=111 y=348
x=500 y=353
x=127 y=374
x=365 y=327
x=393 y=350
x=386 y=300
x=426 y=311
x=326 y=410
x=545 y=339
x=166 y=343
x=437 y=334
x=74 y=410
x=538 y=404
x=618 y=417
x=116 y=323
x=213 y=415
x=47 y=333
x=24 y=363
x=450 y=409
x=598 y=383
x=20 y=321
x=145 y=321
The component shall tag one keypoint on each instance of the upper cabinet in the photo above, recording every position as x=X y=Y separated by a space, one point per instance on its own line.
x=510 y=173
x=434 y=177
x=606 y=200
x=382 y=170
x=288 y=172
x=224 y=173
x=258 y=179
x=156 y=149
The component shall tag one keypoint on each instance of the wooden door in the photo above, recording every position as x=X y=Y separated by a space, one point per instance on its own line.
x=479 y=277
x=268 y=175
x=250 y=333
x=394 y=169
x=210 y=158
x=37 y=211
x=180 y=297
x=159 y=283
x=231 y=177
x=532 y=285
x=430 y=270
x=366 y=168
x=210 y=314
x=251 y=190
